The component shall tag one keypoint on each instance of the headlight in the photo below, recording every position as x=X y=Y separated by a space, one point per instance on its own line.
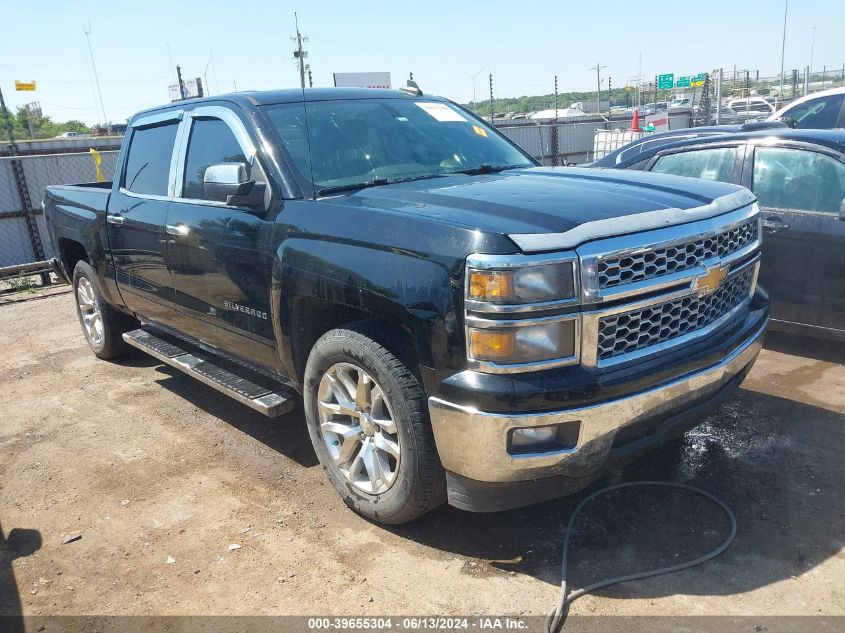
x=521 y=286
x=504 y=294
x=518 y=342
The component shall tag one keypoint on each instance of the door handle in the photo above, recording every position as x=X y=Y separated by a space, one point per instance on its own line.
x=179 y=229
x=774 y=225
x=115 y=219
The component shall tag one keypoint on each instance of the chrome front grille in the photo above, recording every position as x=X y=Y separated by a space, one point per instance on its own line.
x=650 y=263
x=632 y=331
x=655 y=290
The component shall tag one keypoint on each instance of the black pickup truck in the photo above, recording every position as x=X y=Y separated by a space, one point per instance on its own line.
x=461 y=323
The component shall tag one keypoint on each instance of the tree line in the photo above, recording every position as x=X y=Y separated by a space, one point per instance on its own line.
x=28 y=125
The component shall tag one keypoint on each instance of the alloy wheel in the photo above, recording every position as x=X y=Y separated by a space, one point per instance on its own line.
x=358 y=428
x=89 y=309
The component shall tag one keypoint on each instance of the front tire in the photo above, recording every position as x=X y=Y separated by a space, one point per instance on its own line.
x=367 y=416
x=102 y=325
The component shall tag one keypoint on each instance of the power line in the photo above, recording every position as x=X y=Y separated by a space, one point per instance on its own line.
x=87 y=30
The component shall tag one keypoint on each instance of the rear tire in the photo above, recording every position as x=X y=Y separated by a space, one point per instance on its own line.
x=102 y=325
x=366 y=411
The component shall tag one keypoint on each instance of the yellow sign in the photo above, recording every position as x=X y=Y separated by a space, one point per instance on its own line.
x=25 y=85
x=711 y=281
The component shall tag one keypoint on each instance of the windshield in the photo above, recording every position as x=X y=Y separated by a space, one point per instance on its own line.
x=356 y=143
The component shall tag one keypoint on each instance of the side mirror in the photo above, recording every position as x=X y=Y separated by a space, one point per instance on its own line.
x=789 y=121
x=230 y=183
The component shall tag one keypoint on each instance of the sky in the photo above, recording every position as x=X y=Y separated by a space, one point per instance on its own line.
x=246 y=45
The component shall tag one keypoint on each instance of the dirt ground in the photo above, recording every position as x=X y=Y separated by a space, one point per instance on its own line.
x=161 y=476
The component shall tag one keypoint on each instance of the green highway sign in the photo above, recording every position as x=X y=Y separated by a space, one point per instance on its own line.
x=665 y=82
x=698 y=80
x=683 y=82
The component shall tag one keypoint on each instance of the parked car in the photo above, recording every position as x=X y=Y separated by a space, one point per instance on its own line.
x=820 y=110
x=752 y=105
x=460 y=322
x=653 y=108
x=798 y=177
x=727 y=116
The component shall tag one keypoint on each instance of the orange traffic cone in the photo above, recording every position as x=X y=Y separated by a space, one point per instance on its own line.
x=635 y=122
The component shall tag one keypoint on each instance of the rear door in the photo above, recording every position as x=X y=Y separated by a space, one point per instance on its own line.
x=220 y=255
x=800 y=188
x=137 y=214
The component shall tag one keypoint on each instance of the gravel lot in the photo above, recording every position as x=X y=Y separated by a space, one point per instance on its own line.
x=161 y=476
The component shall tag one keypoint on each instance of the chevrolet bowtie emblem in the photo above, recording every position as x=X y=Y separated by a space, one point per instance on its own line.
x=711 y=280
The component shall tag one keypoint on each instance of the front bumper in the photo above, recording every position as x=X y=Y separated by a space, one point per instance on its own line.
x=473 y=445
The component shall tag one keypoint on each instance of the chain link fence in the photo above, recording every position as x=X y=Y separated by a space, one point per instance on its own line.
x=571 y=141
x=24 y=241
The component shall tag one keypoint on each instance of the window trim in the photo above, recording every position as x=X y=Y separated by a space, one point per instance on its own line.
x=238 y=129
x=153 y=120
x=739 y=158
x=748 y=164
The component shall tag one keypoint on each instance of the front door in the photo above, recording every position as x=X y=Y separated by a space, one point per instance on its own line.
x=220 y=255
x=136 y=221
x=800 y=191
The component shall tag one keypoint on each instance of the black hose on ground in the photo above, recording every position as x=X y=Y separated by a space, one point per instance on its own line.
x=558 y=615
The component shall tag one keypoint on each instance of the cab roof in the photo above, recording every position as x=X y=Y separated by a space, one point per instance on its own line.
x=295 y=95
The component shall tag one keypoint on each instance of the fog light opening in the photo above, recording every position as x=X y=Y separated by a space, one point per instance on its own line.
x=544 y=439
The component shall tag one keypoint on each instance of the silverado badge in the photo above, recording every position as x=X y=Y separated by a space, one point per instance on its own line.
x=710 y=281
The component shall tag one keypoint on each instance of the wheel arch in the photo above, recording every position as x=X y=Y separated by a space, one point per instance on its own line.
x=403 y=301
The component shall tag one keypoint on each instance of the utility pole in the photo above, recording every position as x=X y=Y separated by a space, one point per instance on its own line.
x=299 y=54
x=812 y=48
x=555 y=97
x=87 y=30
x=719 y=96
x=783 y=47
x=181 y=84
x=472 y=76
x=491 y=98
x=598 y=68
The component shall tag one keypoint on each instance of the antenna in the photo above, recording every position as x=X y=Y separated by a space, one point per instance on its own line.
x=87 y=30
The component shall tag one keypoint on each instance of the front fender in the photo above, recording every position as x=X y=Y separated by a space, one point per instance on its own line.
x=327 y=284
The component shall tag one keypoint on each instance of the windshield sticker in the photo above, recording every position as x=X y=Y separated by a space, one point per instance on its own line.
x=441 y=111
x=479 y=130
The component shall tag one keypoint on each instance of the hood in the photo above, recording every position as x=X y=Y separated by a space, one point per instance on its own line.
x=546 y=200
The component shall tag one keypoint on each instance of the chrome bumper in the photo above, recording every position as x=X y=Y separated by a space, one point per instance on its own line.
x=475 y=444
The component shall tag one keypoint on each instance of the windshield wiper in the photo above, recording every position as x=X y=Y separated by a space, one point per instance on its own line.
x=375 y=182
x=487 y=168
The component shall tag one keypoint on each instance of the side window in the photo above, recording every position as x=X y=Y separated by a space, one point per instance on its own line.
x=787 y=178
x=148 y=163
x=820 y=113
x=211 y=142
x=710 y=164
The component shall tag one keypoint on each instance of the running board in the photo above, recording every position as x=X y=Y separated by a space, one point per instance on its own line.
x=199 y=365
